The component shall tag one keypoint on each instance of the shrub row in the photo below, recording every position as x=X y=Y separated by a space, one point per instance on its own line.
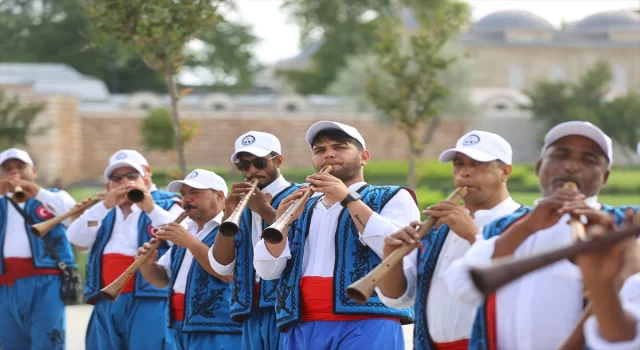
x=432 y=174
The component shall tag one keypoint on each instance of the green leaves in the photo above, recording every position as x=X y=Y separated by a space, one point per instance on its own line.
x=17 y=121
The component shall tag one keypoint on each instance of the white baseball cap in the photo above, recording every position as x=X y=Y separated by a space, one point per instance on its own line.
x=257 y=143
x=580 y=128
x=131 y=154
x=122 y=159
x=200 y=179
x=325 y=125
x=14 y=153
x=482 y=146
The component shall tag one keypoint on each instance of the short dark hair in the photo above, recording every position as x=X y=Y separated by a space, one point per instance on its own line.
x=338 y=136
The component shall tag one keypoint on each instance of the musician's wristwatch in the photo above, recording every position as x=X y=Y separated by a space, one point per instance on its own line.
x=351 y=197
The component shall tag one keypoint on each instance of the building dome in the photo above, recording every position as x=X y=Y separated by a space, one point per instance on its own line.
x=514 y=19
x=605 y=21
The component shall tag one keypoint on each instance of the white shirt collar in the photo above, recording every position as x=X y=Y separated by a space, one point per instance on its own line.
x=153 y=188
x=506 y=207
x=276 y=186
x=209 y=226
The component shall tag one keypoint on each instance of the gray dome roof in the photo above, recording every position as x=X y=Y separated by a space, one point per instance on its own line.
x=605 y=21
x=512 y=19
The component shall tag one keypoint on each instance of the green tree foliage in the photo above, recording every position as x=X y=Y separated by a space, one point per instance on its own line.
x=158 y=134
x=17 y=121
x=346 y=28
x=406 y=85
x=62 y=31
x=587 y=99
x=158 y=31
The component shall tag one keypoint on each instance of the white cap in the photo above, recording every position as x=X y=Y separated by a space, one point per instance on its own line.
x=325 y=124
x=481 y=146
x=580 y=128
x=14 y=153
x=130 y=154
x=200 y=179
x=122 y=159
x=257 y=143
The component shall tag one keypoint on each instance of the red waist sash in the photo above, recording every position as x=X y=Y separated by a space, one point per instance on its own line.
x=177 y=307
x=16 y=268
x=462 y=344
x=113 y=265
x=317 y=302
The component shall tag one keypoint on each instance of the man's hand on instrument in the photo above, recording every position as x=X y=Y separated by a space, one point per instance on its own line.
x=259 y=201
x=289 y=201
x=548 y=211
x=407 y=235
x=177 y=234
x=6 y=185
x=456 y=217
x=116 y=196
x=593 y=216
x=603 y=265
x=31 y=189
x=144 y=249
x=333 y=188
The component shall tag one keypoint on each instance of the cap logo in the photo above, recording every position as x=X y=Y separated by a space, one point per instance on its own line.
x=192 y=175
x=471 y=140
x=121 y=155
x=247 y=140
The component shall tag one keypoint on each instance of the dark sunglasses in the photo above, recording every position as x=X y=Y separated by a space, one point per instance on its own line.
x=130 y=176
x=259 y=163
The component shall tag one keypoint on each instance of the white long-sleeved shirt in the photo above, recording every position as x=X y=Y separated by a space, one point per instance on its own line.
x=124 y=237
x=538 y=310
x=630 y=298
x=165 y=260
x=277 y=186
x=449 y=320
x=16 y=235
x=319 y=250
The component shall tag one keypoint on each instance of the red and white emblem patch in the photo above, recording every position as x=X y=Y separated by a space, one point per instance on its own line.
x=43 y=213
x=152 y=231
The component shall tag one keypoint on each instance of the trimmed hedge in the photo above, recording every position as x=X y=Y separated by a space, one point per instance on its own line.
x=432 y=174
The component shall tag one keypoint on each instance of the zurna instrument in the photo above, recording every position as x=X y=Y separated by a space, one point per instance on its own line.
x=230 y=227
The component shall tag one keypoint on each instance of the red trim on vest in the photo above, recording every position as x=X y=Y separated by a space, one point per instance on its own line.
x=462 y=344
x=177 y=307
x=113 y=265
x=317 y=302
x=492 y=322
x=17 y=268
x=256 y=294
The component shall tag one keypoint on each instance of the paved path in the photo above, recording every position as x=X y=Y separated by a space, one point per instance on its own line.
x=78 y=318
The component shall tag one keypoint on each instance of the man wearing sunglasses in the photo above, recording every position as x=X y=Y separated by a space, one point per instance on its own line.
x=257 y=156
x=113 y=230
x=32 y=310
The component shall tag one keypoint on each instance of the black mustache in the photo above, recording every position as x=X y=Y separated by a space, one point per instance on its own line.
x=188 y=207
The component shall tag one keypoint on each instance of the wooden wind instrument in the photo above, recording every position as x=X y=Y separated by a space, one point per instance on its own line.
x=231 y=226
x=113 y=290
x=275 y=233
x=362 y=289
x=42 y=228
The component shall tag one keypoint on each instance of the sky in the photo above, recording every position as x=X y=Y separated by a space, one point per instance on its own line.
x=280 y=36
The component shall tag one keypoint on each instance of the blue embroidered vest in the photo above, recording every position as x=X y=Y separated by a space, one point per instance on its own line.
x=206 y=298
x=480 y=330
x=93 y=282
x=242 y=287
x=161 y=194
x=353 y=261
x=57 y=236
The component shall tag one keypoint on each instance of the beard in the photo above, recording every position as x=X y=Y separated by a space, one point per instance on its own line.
x=348 y=170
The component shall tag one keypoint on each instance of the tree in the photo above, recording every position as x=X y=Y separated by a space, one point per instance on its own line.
x=158 y=31
x=62 y=31
x=17 y=121
x=588 y=99
x=406 y=84
x=158 y=133
x=340 y=29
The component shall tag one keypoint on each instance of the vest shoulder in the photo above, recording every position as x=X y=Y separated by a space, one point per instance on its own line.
x=500 y=224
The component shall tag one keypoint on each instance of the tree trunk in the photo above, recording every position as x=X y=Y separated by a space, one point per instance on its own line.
x=434 y=123
x=411 y=174
x=173 y=93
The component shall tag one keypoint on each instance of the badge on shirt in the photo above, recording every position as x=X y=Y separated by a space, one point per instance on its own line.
x=152 y=231
x=43 y=213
